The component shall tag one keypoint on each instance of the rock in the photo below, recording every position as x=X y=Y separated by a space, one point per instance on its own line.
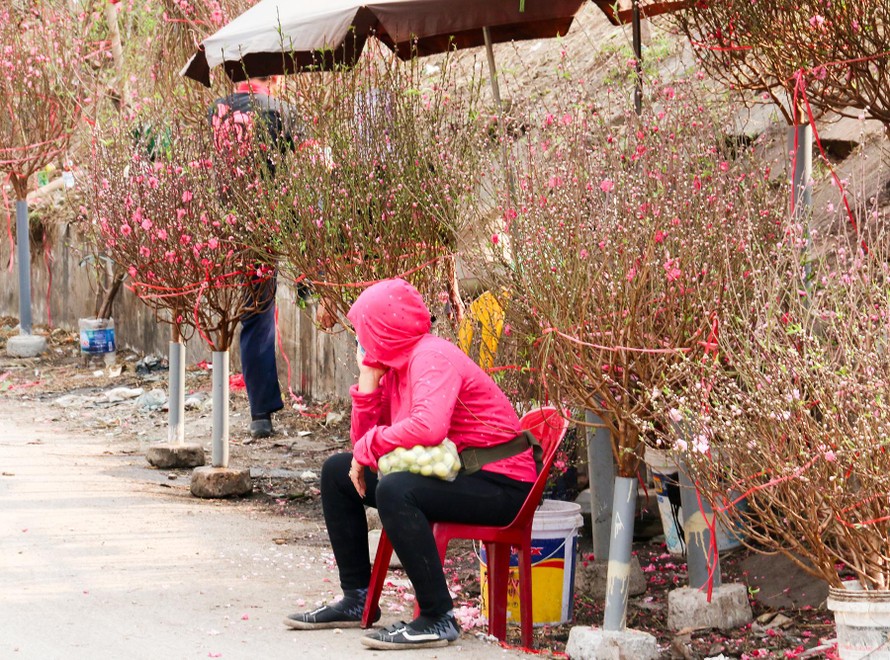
x=689 y=609
x=780 y=584
x=590 y=579
x=166 y=456
x=212 y=482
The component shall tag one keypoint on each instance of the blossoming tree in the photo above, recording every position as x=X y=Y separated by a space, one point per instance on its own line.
x=41 y=84
x=167 y=212
x=833 y=53
x=631 y=228
x=383 y=182
x=799 y=422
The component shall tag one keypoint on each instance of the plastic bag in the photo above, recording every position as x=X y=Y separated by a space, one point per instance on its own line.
x=441 y=461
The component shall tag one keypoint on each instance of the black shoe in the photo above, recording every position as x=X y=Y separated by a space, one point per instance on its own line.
x=422 y=633
x=260 y=428
x=329 y=616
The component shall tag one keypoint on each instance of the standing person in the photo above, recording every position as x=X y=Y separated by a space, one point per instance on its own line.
x=414 y=389
x=234 y=122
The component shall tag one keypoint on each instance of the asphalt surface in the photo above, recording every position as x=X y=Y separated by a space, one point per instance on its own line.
x=102 y=556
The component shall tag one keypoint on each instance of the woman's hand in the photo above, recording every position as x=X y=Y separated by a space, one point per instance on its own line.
x=368 y=377
x=357 y=477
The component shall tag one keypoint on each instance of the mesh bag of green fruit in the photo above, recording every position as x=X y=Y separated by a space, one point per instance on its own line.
x=440 y=460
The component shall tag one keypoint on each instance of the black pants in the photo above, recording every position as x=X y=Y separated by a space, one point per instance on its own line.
x=407 y=503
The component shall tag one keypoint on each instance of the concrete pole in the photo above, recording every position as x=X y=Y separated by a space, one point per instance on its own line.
x=702 y=559
x=800 y=149
x=176 y=406
x=601 y=473
x=618 y=575
x=220 y=447
x=637 y=31
x=23 y=253
x=800 y=137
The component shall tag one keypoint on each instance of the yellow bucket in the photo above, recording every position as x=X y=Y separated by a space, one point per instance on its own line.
x=553 y=551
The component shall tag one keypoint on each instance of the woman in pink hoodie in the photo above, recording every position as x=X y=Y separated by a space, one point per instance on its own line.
x=413 y=388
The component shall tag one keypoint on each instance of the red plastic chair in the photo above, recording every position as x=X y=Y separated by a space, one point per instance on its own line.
x=549 y=426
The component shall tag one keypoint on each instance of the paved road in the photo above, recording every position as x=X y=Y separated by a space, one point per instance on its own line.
x=103 y=557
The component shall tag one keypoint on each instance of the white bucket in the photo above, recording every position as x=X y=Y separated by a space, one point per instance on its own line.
x=554 y=547
x=665 y=477
x=862 y=620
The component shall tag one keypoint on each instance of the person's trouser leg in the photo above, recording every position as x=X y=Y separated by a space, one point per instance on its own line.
x=344 y=516
x=408 y=502
x=257 y=344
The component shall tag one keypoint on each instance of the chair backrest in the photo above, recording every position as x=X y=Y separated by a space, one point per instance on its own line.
x=549 y=426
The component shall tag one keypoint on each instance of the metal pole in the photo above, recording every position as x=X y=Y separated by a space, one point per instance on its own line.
x=702 y=560
x=496 y=93
x=23 y=253
x=601 y=473
x=638 y=55
x=800 y=147
x=176 y=412
x=618 y=574
x=492 y=70
x=220 y=447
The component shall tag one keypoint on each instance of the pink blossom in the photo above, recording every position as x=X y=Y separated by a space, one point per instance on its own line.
x=126 y=230
x=659 y=236
x=162 y=234
x=607 y=185
x=817 y=21
x=144 y=252
x=187 y=196
x=830 y=456
x=213 y=243
x=495 y=239
x=672 y=270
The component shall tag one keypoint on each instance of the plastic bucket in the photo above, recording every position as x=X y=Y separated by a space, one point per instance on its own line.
x=96 y=336
x=97 y=339
x=553 y=550
x=665 y=478
x=862 y=620
x=664 y=472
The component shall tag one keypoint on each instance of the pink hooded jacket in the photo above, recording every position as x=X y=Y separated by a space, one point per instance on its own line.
x=431 y=389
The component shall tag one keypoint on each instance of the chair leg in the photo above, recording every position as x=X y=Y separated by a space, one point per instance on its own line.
x=498 y=584
x=378 y=576
x=525 y=596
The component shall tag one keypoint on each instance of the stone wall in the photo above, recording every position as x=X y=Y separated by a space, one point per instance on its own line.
x=322 y=366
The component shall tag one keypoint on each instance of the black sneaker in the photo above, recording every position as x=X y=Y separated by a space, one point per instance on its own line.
x=335 y=615
x=419 y=634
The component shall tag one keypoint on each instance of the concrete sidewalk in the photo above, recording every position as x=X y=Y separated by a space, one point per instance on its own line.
x=100 y=558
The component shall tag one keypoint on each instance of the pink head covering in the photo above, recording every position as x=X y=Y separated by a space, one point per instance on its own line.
x=389 y=318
